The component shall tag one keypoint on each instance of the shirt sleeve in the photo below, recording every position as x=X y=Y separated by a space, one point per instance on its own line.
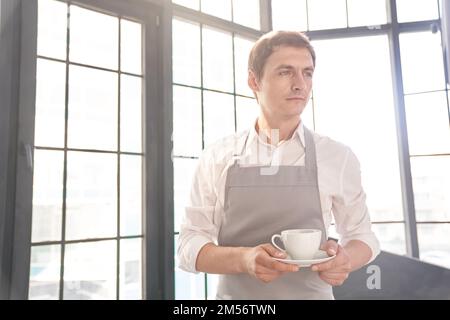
x=197 y=227
x=349 y=207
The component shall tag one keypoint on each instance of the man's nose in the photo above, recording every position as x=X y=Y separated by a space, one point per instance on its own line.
x=299 y=83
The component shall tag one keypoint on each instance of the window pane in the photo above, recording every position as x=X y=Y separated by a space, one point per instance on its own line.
x=391 y=237
x=47 y=195
x=187 y=121
x=184 y=170
x=422 y=62
x=434 y=243
x=327 y=14
x=90 y=271
x=217 y=60
x=188 y=286
x=242 y=49
x=246 y=13
x=247 y=110
x=52 y=29
x=348 y=110
x=130 y=195
x=193 y=4
x=212 y=282
x=50 y=103
x=218 y=112
x=131 y=47
x=289 y=15
x=416 y=10
x=131 y=113
x=45 y=272
x=92 y=109
x=91 y=195
x=94 y=38
x=131 y=269
x=186 y=52
x=431 y=185
x=428 y=123
x=366 y=13
x=218 y=8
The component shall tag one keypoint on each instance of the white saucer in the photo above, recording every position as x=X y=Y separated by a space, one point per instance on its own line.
x=319 y=256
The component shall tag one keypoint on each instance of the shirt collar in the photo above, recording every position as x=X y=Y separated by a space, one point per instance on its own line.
x=299 y=134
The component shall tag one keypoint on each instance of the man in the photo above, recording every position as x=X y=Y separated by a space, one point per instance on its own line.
x=235 y=206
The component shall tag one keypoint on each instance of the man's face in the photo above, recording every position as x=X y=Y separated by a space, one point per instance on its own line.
x=285 y=86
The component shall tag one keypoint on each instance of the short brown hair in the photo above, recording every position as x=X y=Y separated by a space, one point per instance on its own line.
x=265 y=46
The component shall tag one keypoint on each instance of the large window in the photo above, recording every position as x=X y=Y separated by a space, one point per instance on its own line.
x=427 y=115
x=358 y=110
x=211 y=99
x=87 y=190
x=352 y=81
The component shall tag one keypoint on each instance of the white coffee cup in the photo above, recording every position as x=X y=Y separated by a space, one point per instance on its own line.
x=300 y=244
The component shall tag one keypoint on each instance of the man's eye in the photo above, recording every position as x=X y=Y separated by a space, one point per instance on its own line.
x=309 y=74
x=284 y=73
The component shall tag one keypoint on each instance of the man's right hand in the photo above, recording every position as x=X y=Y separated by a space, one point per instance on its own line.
x=258 y=262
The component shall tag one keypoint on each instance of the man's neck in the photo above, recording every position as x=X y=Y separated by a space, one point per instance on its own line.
x=286 y=128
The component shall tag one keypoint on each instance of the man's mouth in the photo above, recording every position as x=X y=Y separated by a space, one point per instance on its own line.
x=299 y=98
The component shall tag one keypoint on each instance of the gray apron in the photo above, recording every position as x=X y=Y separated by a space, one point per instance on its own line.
x=256 y=207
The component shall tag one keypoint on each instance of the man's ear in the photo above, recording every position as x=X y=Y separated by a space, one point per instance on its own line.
x=252 y=81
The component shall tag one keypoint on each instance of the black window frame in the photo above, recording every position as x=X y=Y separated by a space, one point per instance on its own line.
x=19 y=55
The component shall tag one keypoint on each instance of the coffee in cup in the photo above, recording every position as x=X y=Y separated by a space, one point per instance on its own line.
x=300 y=244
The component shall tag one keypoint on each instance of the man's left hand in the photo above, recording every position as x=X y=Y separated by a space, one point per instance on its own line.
x=336 y=270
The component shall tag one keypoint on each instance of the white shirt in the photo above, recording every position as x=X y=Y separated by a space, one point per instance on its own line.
x=339 y=179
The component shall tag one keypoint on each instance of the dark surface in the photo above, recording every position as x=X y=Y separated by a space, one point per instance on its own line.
x=401 y=278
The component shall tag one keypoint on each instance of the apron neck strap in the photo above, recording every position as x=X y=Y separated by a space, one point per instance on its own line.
x=310 y=150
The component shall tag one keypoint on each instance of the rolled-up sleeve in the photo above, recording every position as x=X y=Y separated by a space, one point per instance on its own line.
x=197 y=227
x=349 y=207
